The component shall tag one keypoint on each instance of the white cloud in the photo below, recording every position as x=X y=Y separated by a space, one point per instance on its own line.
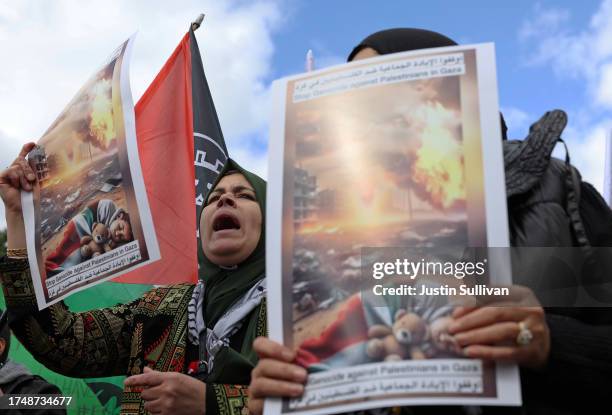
x=255 y=161
x=587 y=152
x=584 y=54
x=517 y=121
x=49 y=49
x=604 y=87
x=548 y=20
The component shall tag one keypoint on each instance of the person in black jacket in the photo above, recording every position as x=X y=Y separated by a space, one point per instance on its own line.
x=566 y=365
x=16 y=379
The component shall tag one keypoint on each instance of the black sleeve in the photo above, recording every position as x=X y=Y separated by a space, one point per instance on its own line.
x=580 y=353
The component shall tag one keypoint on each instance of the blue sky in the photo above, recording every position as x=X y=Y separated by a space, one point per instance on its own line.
x=550 y=54
x=331 y=29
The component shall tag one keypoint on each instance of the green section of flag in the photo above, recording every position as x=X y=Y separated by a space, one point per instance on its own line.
x=84 y=399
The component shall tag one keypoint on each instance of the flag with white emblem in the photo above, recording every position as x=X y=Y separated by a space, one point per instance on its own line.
x=210 y=151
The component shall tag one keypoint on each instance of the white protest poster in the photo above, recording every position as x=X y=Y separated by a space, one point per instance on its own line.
x=88 y=219
x=381 y=168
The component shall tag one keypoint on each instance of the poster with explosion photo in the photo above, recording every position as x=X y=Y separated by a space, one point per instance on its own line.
x=88 y=220
x=375 y=155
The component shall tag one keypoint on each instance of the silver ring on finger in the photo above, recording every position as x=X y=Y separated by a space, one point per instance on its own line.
x=525 y=336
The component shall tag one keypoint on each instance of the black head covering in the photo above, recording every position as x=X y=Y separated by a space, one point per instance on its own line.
x=405 y=39
x=402 y=40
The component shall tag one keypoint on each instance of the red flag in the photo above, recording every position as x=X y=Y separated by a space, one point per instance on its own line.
x=164 y=127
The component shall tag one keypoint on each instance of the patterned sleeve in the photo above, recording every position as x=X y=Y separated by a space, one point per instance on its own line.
x=226 y=399
x=89 y=344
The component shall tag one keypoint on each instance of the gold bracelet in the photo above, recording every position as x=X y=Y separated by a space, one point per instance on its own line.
x=19 y=253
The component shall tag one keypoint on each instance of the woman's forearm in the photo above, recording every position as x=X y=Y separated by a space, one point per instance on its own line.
x=92 y=343
x=15 y=231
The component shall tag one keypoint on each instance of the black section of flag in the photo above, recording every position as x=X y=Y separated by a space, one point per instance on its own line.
x=210 y=152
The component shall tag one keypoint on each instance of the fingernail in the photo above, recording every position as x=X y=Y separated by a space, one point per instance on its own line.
x=465 y=351
x=287 y=355
x=31 y=176
x=297 y=390
x=300 y=374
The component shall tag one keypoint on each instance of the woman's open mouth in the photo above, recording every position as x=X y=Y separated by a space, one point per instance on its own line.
x=225 y=221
